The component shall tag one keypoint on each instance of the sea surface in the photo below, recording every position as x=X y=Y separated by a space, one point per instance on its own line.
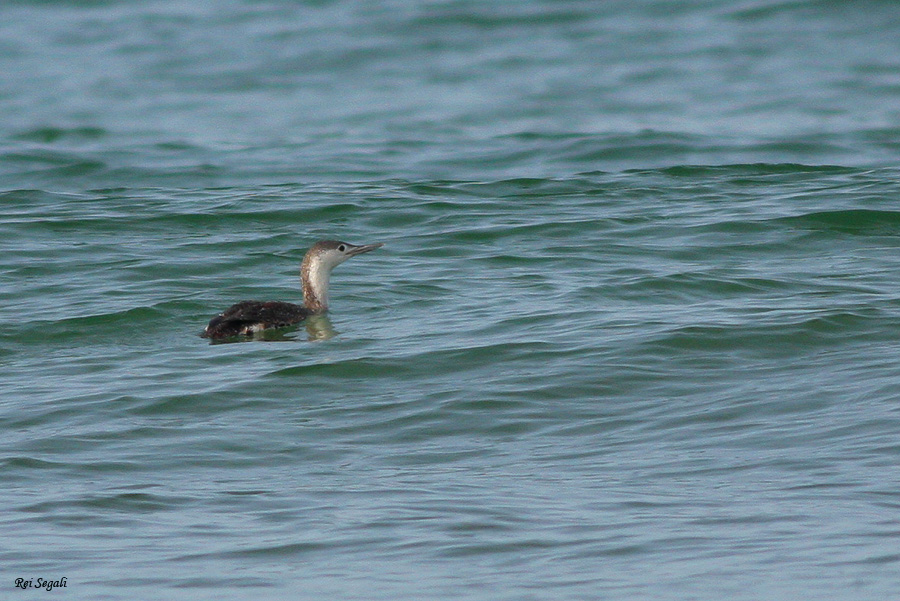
x=634 y=333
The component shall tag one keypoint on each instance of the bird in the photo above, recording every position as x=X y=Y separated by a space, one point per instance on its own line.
x=248 y=317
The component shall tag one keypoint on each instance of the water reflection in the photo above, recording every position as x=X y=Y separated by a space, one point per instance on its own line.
x=318 y=327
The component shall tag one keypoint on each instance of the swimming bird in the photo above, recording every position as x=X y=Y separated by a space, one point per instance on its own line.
x=248 y=317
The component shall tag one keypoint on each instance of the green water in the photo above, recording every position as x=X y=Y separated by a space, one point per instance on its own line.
x=632 y=335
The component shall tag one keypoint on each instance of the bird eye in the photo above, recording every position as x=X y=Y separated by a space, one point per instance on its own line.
x=342 y=248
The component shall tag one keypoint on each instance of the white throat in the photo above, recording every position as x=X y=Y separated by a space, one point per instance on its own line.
x=317 y=277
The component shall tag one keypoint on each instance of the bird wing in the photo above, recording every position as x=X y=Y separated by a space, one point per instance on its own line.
x=271 y=314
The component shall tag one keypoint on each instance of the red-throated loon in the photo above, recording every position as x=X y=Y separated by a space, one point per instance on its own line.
x=248 y=317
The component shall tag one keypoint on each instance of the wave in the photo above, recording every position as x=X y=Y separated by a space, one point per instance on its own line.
x=863 y=222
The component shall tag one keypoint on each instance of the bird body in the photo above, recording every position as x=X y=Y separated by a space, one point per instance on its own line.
x=248 y=317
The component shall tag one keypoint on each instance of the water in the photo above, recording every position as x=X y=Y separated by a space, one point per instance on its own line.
x=633 y=333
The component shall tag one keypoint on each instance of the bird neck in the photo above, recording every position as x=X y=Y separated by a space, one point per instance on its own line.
x=314 y=277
